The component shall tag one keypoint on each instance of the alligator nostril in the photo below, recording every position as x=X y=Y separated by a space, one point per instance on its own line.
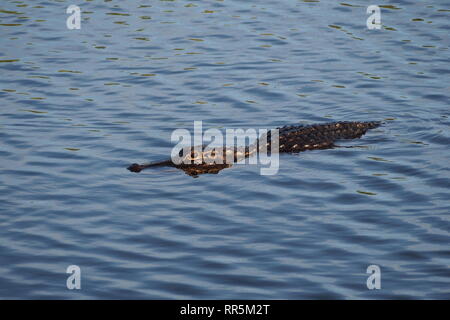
x=135 y=168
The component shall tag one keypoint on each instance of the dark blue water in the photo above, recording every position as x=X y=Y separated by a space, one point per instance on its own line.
x=78 y=106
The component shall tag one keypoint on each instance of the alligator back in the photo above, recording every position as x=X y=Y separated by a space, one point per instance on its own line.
x=320 y=136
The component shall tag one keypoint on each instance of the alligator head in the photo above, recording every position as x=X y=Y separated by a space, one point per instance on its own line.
x=192 y=160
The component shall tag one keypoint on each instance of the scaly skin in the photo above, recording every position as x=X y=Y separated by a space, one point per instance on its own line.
x=292 y=139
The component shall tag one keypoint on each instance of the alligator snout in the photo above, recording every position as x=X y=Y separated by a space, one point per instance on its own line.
x=135 y=167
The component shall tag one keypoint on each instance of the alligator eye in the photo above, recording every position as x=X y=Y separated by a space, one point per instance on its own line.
x=193 y=156
x=213 y=154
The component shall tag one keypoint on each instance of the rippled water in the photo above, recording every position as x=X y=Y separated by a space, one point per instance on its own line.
x=78 y=106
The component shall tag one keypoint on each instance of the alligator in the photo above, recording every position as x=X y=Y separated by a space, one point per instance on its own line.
x=292 y=139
